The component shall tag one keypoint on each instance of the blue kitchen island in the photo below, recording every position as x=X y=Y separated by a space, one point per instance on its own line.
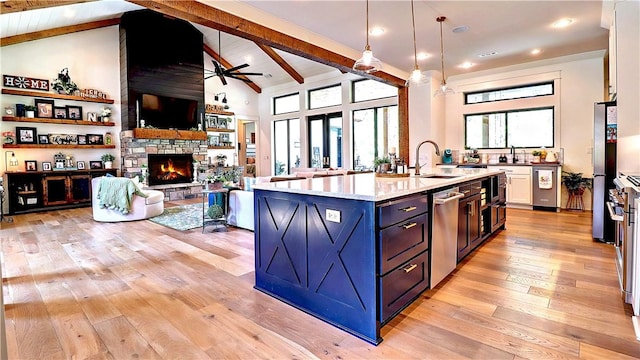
x=352 y=250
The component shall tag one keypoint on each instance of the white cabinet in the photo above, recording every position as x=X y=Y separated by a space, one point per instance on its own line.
x=519 y=187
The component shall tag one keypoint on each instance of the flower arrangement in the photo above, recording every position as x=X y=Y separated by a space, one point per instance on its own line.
x=63 y=84
x=106 y=112
x=9 y=137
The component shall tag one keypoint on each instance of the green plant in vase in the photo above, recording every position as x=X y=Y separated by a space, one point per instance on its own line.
x=382 y=165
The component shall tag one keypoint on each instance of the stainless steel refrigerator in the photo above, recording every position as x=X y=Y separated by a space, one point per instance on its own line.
x=604 y=167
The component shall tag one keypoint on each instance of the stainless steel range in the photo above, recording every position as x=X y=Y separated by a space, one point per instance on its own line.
x=623 y=211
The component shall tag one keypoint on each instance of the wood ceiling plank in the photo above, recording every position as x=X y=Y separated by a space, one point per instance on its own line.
x=11 y=6
x=203 y=14
x=209 y=51
x=282 y=63
x=37 y=35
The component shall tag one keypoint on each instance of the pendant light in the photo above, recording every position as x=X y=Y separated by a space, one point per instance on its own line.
x=444 y=88
x=416 y=75
x=367 y=63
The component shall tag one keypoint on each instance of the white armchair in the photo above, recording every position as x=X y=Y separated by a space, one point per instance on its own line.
x=141 y=207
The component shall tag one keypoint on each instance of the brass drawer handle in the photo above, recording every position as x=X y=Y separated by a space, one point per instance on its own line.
x=409 y=226
x=409 y=268
x=407 y=209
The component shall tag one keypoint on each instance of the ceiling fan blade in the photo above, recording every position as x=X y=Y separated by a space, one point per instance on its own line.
x=222 y=78
x=246 y=73
x=237 y=67
x=218 y=67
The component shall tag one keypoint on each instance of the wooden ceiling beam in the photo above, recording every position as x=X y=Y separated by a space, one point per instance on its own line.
x=11 y=6
x=37 y=35
x=282 y=63
x=211 y=17
x=209 y=51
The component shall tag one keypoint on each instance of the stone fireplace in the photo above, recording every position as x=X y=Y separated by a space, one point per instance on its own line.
x=138 y=146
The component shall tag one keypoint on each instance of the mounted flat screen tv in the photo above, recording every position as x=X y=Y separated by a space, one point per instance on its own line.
x=165 y=112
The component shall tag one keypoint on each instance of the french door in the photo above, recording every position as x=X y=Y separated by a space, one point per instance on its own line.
x=325 y=140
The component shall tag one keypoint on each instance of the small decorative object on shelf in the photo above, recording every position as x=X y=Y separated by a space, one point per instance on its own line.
x=9 y=137
x=221 y=159
x=69 y=163
x=108 y=160
x=8 y=110
x=30 y=111
x=59 y=161
x=108 y=138
x=63 y=84
x=105 y=116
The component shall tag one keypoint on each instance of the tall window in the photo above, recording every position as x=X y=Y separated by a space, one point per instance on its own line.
x=326 y=96
x=286 y=104
x=286 y=145
x=375 y=134
x=519 y=128
x=325 y=140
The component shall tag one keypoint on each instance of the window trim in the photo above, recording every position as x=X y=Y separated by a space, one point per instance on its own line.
x=338 y=85
x=284 y=96
x=467 y=94
x=506 y=112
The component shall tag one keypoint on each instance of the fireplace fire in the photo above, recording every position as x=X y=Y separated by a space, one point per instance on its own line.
x=170 y=168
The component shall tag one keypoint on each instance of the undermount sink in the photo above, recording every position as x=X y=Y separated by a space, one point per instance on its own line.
x=439 y=176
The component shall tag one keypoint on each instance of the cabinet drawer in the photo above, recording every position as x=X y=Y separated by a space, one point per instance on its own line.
x=400 y=210
x=401 y=242
x=401 y=286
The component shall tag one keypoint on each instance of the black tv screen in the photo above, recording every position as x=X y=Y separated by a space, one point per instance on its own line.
x=165 y=112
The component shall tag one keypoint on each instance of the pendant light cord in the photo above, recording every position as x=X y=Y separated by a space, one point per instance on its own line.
x=441 y=19
x=415 y=51
x=367 y=29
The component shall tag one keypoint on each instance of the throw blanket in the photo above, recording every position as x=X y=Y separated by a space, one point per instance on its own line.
x=116 y=193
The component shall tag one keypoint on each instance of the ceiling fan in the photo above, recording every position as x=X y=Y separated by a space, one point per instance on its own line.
x=232 y=72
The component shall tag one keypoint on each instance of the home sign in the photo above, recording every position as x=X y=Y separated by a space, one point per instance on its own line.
x=24 y=82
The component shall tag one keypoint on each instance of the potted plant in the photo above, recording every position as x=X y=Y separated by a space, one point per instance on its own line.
x=105 y=115
x=213 y=182
x=221 y=159
x=30 y=111
x=382 y=165
x=575 y=183
x=108 y=160
x=536 y=156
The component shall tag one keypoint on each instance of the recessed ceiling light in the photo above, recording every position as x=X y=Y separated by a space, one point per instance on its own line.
x=423 y=56
x=376 y=31
x=460 y=29
x=466 y=65
x=490 y=53
x=562 y=23
x=535 y=51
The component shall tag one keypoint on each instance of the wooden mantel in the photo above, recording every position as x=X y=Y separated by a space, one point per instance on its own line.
x=142 y=133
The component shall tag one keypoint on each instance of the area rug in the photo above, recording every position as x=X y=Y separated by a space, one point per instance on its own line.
x=182 y=218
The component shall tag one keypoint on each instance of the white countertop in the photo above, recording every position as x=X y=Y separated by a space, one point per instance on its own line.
x=371 y=188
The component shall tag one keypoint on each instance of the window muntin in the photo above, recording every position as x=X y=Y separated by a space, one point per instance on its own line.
x=286 y=104
x=363 y=90
x=519 y=128
x=326 y=96
x=518 y=92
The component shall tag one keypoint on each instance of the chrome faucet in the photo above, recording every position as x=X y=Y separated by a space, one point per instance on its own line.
x=418 y=166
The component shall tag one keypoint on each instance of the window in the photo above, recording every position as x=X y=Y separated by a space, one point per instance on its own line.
x=511 y=93
x=519 y=128
x=286 y=104
x=325 y=140
x=327 y=96
x=286 y=145
x=375 y=133
x=364 y=90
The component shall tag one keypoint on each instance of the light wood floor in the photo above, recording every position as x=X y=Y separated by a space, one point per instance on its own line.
x=79 y=289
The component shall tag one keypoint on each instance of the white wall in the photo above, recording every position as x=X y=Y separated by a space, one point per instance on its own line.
x=92 y=58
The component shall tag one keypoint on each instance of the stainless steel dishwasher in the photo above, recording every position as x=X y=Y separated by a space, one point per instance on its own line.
x=444 y=234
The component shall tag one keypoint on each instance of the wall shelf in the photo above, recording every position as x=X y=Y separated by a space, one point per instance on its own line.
x=56 y=121
x=54 y=96
x=55 y=146
x=220 y=130
x=227 y=113
x=221 y=147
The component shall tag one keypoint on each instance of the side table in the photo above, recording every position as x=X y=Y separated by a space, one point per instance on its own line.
x=206 y=220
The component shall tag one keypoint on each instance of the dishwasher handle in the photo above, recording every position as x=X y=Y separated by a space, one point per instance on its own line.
x=454 y=196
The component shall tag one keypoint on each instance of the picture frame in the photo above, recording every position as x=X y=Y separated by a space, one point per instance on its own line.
x=95 y=164
x=92 y=116
x=80 y=165
x=31 y=165
x=46 y=166
x=74 y=112
x=82 y=139
x=59 y=165
x=221 y=123
x=59 y=112
x=212 y=121
x=26 y=135
x=214 y=140
x=95 y=139
x=43 y=139
x=44 y=108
